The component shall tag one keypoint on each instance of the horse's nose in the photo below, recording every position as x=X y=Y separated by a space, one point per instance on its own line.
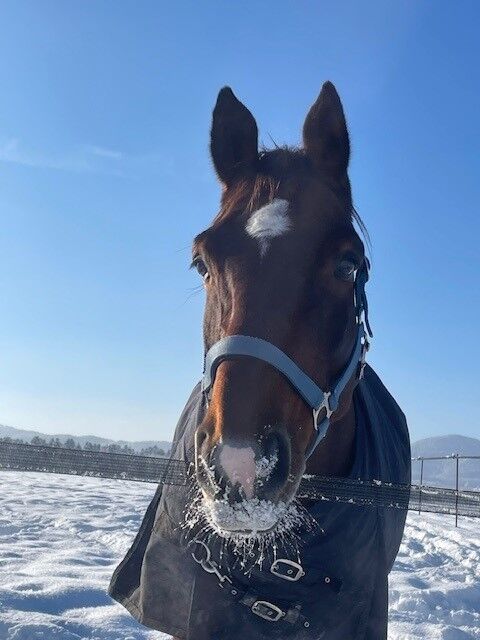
x=244 y=469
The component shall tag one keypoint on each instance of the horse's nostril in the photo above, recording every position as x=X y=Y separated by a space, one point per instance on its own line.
x=276 y=463
x=272 y=445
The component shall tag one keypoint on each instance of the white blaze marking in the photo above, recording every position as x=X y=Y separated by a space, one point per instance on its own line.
x=270 y=221
x=239 y=465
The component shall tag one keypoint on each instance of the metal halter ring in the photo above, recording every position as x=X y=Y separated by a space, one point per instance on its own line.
x=326 y=404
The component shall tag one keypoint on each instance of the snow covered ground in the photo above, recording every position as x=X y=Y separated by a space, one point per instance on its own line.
x=62 y=536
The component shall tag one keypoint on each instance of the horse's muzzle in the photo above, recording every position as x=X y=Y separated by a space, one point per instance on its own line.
x=245 y=484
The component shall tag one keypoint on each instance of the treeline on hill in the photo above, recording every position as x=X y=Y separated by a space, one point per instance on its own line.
x=90 y=446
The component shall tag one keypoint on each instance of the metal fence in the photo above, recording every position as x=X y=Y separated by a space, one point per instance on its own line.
x=370 y=493
x=455 y=458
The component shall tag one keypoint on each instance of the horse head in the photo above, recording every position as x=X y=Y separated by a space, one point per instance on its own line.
x=279 y=264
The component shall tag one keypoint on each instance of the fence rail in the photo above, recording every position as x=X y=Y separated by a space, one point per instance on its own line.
x=452 y=456
x=369 y=493
x=95 y=464
x=456 y=457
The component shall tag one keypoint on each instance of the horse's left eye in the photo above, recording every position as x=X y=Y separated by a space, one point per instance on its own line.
x=346 y=270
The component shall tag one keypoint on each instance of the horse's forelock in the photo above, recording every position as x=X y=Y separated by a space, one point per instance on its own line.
x=276 y=169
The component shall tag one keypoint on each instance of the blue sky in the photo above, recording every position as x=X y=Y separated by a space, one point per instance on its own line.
x=105 y=178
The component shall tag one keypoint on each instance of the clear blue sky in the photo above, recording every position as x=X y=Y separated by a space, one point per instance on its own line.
x=105 y=178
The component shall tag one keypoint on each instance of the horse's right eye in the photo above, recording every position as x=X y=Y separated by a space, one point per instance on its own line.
x=201 y=267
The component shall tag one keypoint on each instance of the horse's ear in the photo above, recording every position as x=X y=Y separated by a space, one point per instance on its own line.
x=325 y=135
x=234 y=138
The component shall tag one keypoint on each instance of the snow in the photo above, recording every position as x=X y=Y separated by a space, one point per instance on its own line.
x=62 y=536
x=435 y=583
x=265 y=466
x=60 y=540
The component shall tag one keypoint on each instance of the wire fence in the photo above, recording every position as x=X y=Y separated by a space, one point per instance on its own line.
x=419 y=497
x=16 y=456
x=444 y=470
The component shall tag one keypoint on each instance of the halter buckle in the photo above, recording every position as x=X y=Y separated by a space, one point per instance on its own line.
x=363 y=357
x=327 y=405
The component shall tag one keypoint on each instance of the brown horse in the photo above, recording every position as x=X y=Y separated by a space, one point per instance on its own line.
x=283 y=394
x=278 y=263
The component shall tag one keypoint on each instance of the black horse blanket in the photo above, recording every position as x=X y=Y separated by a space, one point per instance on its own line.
x=343 y=594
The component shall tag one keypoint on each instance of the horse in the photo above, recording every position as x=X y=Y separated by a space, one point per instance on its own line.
x=285 y=393
x=278 y=263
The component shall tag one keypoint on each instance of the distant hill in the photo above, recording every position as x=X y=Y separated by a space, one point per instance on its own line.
x=441 y=473
x=446 y=445
x=27 y=435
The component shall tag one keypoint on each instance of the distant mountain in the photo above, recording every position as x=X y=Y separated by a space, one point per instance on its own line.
x=446 y=445
x=27 y=435
x=441 y=473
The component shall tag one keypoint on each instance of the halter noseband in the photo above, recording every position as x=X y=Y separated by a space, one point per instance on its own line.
x=241 y=345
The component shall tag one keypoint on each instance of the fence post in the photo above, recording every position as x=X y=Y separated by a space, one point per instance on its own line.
x=456 y=490
x=421 y=483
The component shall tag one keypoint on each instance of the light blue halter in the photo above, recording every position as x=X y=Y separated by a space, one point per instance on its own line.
x=241 y=345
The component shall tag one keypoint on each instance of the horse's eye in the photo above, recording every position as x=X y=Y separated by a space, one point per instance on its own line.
x=346 y=270
x=201 y=267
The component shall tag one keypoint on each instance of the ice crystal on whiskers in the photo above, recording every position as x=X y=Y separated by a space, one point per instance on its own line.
x=268 y=528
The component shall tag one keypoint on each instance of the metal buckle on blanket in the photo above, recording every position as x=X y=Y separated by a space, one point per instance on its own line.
x=287 y=569
x=267 y=611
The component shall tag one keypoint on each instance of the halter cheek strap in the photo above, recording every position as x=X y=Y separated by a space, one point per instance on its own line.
x=238 y=346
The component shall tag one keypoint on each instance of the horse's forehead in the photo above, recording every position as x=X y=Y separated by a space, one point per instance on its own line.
x=309 y=212
x=304 y=213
